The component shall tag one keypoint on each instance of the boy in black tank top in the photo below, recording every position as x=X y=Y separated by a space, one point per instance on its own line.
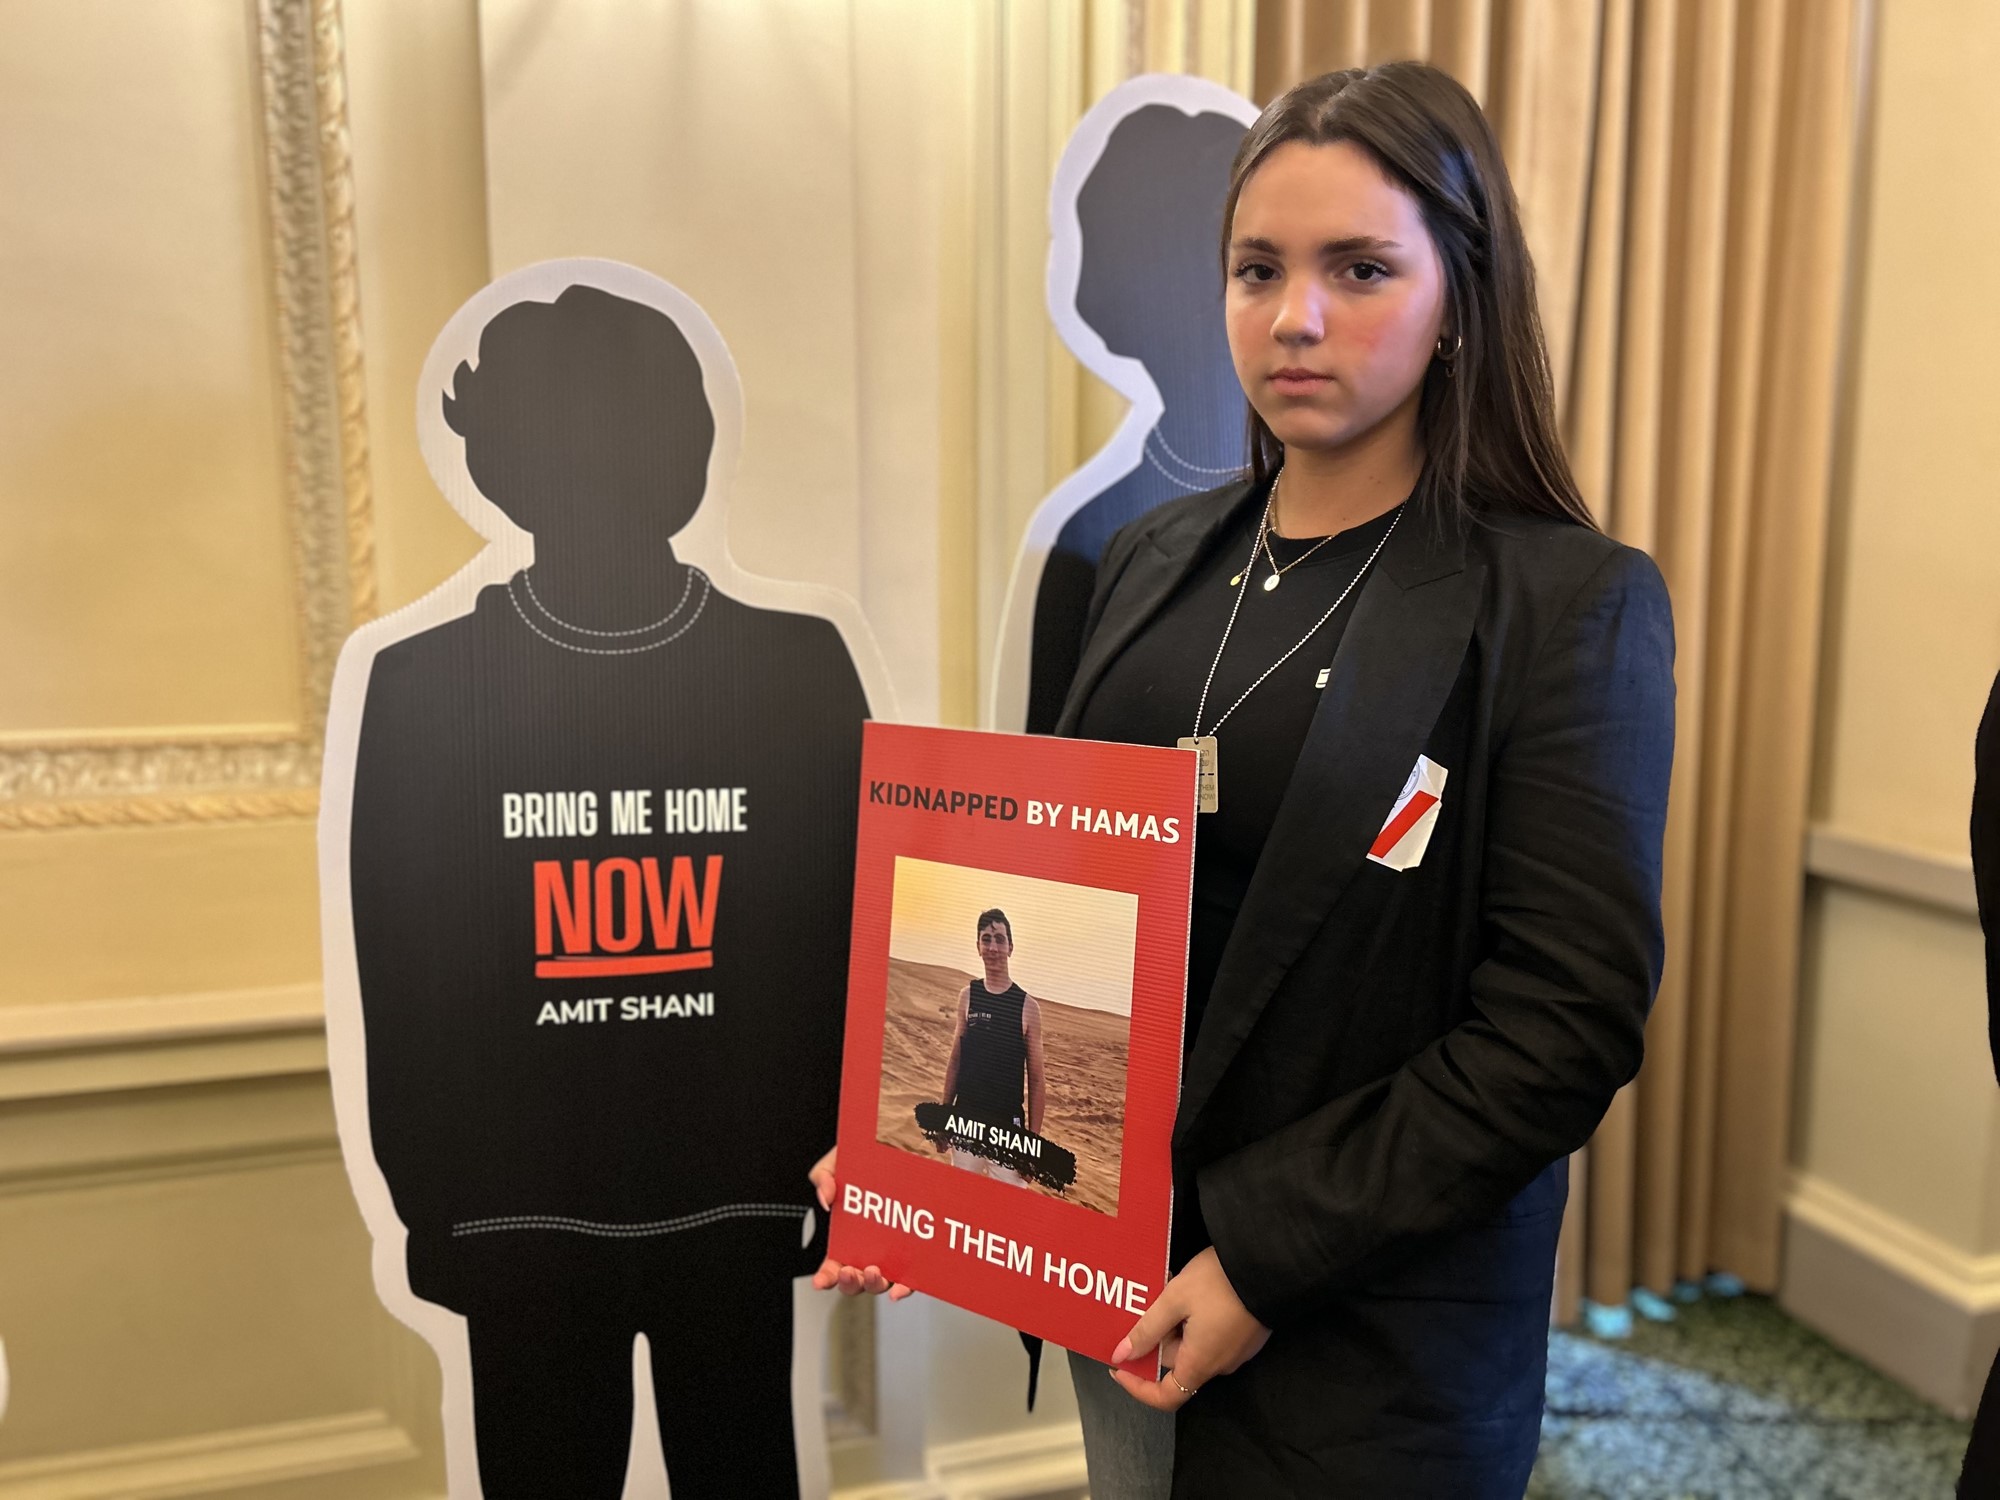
x=996 y=1044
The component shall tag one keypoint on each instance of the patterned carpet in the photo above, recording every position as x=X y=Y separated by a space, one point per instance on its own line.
x=1734 y=1401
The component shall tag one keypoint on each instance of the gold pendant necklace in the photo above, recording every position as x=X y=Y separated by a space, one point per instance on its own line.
x=1205 y=746
x=1265 y=533
x=1278 y=572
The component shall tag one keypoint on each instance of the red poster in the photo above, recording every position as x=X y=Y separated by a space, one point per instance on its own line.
x=1014 y=1006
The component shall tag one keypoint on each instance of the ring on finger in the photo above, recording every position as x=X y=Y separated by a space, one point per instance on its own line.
x=1185 y=1390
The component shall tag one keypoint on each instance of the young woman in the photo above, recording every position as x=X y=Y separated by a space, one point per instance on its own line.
x=1438 y=706
x=1403 y=1014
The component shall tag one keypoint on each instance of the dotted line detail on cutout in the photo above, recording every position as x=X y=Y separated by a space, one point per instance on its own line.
x=1156 y=436
x=687 y=587
x=700 y=605
x=1171 y=478
x=603 y=1230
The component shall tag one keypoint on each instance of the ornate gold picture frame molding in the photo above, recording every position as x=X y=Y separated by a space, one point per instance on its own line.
x=107 y=780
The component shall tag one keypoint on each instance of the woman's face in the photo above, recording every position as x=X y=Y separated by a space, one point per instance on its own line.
x=1335 y=295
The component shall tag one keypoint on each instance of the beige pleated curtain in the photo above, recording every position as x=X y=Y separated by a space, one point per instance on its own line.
x=1684 y=173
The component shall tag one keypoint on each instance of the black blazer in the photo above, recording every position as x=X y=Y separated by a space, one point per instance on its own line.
x=1986 y=855
x=1394 y=1066
x=1981 y=1474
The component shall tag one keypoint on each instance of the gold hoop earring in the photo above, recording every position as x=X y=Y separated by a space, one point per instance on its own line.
x=1450 y=356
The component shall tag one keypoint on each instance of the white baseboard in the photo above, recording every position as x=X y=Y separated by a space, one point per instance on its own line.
x=1034 y=1463
x=214 y=1463
x=1924 y=876
x=1919 y=1310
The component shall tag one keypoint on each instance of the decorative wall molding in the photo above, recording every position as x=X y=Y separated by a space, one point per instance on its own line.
x=343 y=306
x=79 y=1054
x=95 y=785
x=1040 y=1463
x=1963 y=1279
x=1031 y=1463
x=1885 y=869
x=850 y=1379
x=87 y=782
x=1909 y=1304
x=214 y=1463
x=113 y=1046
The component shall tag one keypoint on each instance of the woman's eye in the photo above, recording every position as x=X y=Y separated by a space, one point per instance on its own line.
x=1369 y=270
x=1254 y=271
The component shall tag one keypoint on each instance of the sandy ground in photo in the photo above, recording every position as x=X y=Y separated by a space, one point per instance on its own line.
x=1083 y=1054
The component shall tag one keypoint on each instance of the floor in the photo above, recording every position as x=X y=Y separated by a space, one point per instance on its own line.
x=1734 y=1401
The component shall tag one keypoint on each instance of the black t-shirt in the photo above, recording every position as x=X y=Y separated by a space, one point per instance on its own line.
x=1149 y=694
x=516 y=1087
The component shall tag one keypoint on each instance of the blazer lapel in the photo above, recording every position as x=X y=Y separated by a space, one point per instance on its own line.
x=1396 y=664
x=1162 y=560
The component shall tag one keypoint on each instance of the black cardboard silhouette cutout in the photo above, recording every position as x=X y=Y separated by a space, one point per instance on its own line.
x=1135 y=291
x=587 y=842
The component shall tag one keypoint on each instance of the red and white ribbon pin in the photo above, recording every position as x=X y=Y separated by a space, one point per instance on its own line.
x=1401 y=843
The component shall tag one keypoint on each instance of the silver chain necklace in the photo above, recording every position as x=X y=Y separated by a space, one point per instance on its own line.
x=1204 y=745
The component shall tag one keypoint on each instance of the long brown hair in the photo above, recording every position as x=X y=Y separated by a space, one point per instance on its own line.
x=1487 y=417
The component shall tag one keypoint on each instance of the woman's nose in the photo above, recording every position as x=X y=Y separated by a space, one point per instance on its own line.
x=1301 y=315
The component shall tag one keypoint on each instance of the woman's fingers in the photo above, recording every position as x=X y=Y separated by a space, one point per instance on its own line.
x=821 y=1177
x=1162 y=1318
x=1162 y=1394
x=875 y=1283
x=1162 y=1327
x=1181 y=1375
x=853 y=1281
x=1183 y=1366
x=1191 y=1352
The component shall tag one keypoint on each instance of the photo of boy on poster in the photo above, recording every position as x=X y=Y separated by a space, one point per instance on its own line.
x=587 y=839
x=995 y=1048
x=1135 y=292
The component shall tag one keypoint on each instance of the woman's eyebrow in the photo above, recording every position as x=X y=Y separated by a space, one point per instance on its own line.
x=1358 y=244
x=1353 y=244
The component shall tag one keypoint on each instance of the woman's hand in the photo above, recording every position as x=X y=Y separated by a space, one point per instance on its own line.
x=1202 y=1330
x=852 y=1280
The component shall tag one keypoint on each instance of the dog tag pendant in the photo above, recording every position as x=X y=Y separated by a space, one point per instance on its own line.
x=1206 y=778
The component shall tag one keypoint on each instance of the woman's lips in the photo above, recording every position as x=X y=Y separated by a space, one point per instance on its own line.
x=1297 y=382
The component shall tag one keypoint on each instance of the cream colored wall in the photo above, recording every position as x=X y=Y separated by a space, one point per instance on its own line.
x=145 y=576
x=137 y=441
x=857 y=192
x=1898 y=1114
x=788 y=166
x=1897 y=1098
x=184 y=1284
x=1916 y=634
x=1913 y=635
x=420 y=181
